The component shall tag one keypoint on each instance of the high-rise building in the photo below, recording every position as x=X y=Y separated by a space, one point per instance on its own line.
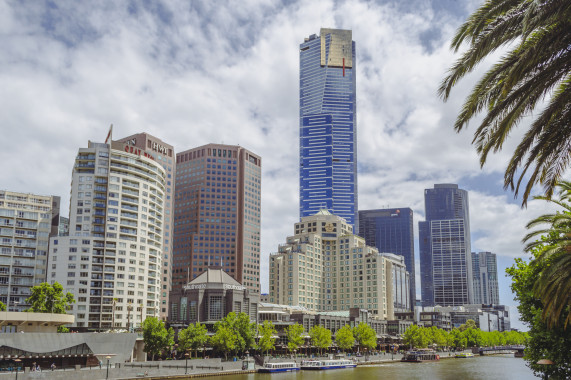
x=445 y=261
x=112 y=259
x=217 y=214
x=324 y=267
x=391 y=230
x=164 y=154
x=485 y=277
x=328 y=125
x=63 y=227
x=27 y=221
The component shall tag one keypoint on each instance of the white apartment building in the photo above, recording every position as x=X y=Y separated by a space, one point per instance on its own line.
x=325 y=267
x=112 y=259
x=27 y=221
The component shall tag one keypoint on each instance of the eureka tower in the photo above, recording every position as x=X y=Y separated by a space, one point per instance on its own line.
x=328 y=125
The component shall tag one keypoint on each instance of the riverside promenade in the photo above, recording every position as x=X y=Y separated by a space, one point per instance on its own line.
x=167 y=369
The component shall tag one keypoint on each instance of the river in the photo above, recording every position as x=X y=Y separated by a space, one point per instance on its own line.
x=478 y=368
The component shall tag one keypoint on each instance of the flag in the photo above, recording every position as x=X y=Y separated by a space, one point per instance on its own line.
x=108 y=139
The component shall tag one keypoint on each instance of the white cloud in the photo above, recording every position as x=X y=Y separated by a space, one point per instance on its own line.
x=200 y=72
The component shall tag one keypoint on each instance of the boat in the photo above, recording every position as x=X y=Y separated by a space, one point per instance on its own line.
x=464 y=355
x=420 y=356
x=279 y=367
x=327 y=364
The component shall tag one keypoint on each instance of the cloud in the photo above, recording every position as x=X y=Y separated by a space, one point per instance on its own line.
x=197 y=72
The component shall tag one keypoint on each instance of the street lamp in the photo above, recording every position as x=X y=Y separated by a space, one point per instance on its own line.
x=186 y=363
x=17 y=366
x=545 y=362
x=107 y=375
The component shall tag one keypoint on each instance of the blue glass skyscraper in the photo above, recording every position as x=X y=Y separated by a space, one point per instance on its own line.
x=391 y=230
x=444 y=244
x=328 y=121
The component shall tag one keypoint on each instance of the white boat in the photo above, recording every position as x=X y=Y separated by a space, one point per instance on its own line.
x=464 y=355
x=279 y=367
x=327 y=364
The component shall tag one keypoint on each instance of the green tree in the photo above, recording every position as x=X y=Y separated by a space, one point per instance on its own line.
x=244 y=329
x=553 y=283
x=2 y=306
x=365 y=336
x=156 y=337
x=543 y=342
x=470 y=324
x=224 y=340
x=46 y=298
x=473 y=337
x=294 y=336
x=458 y=339
x=536 y=67
x=439 y=336
x=267 y=333
x=320 y=337
x=193 y=337
x=62 y=329
x=415 y=337
x=344 y=338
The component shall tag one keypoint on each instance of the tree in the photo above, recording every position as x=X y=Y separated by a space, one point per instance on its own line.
x=415 y=337
x=156 y=337
x=224 y=340
x=553 y=284
x=543 y=342
x=46 y=298
x=458 y=339
x=538 y=66
x=244 y=329
x=62 y=329
x=267 y=333
x=439 y=336
x=470 y=324
x=320 y=337
x=2 y=306
x=193 y=337
x=344 y=338
x=365 y=336
x=294 y=338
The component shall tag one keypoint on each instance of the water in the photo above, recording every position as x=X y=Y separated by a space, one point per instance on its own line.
x=478 y=368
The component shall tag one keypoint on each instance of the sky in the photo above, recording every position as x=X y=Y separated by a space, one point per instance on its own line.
x=198 y=72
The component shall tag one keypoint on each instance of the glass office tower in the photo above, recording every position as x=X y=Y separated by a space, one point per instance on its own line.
x=444 y=244
x=485 y=277
x=328 y=125
x=391 y=230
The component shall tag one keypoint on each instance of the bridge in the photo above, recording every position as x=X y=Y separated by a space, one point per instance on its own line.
x=517 y=349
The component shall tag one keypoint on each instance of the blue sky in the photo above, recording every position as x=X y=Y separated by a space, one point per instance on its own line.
x=197 y=72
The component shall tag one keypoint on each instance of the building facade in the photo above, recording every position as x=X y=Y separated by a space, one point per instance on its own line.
x=112 y=259
x=163 y=154
x=444 y=244
x=391 y=230
x=210 y=297
x=324 y=267
x=485 y=277
x=217 y=214
x=27 y=221
x=328 y=125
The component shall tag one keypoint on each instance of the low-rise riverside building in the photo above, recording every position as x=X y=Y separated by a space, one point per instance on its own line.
x=209 y=298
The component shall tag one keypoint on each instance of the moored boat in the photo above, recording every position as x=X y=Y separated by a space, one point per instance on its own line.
x=464 y=355
x=420 y=356
x=327 y=364
x=279 y=367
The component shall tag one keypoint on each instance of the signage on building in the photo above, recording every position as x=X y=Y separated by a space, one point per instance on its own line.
x=234 y=287
x=132 y=149
x=196 y=286
x=159 y=148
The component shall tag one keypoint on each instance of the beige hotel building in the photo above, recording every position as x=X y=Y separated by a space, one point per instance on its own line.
x=325 y=267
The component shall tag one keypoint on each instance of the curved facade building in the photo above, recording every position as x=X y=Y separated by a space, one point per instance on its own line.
x=112 y=259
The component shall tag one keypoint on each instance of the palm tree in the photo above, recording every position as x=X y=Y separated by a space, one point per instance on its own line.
x=537 y=67
x=553 y=286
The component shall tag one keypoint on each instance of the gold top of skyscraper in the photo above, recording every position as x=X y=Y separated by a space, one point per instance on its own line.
x=340 y=52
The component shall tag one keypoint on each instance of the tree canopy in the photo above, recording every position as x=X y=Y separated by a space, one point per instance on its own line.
x=294 y=336
x=46 y=298
x=156 y=337
x=365 y=336
x=244 y=329
x=267 y=333
x=224 y=340
x=193 y=337
x=344 y=338
x=320 y=337
x=2 y=306
x=536 y=67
